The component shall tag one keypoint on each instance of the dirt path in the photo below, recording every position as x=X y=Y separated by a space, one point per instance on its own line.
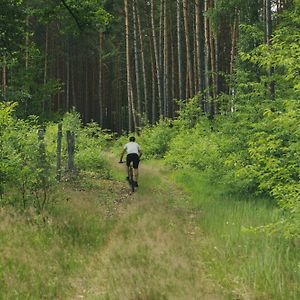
x=153 y=252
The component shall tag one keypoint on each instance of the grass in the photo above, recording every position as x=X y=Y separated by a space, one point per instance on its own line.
x=41 y=254
x=158 y=243
x=250 y=264
x=152 y=253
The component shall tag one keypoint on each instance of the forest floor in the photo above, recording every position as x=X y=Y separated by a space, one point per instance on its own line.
x=152 y=252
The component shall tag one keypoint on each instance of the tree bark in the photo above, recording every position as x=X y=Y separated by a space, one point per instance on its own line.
x=188 y=51
x=207 y=56
x=141 y=39
x=100 y=83
x=269 y=32
x=166 y=62
x=4 y=77
x=158 y=71
x=137 y=71
x=179 y=47
x=58 y=152
x=129 y=84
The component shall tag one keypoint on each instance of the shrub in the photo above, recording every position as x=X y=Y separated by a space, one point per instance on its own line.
x=155 y=140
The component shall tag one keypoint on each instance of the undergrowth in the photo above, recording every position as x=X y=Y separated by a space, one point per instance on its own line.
x=41 y=253
x=250 y=264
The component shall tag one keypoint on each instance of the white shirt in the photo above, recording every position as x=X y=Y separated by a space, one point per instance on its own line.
x=132 y=147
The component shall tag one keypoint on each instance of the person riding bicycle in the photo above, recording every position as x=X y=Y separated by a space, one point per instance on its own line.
x=134 y=153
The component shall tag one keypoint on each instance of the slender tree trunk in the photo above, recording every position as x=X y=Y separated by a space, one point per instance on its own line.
x=158 y=72
x=58 y=152
x=166 y=61
x=137 y=71
x=234 y=36
x=27 y=44
x=188 y=51
x=199 y=50
x=86 y=96
x=269 y=32
x=160 y=48
x=4 y=77
x=141 y=39
x=135 y=125
x=179 y=47
x=129 y=83
x=153 y=95
x=74 y=100
x=100 y=84
x=68 y=81
x=194 y=50
x=46 y=62
x=153 y=77
x=173 y=84
x=216 y=67
x=207 y=56
x=213 y=59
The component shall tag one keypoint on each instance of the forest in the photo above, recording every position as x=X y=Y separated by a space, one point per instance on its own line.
x=211 y=91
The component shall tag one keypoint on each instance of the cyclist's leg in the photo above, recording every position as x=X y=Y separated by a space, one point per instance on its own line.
x=136 y=162
x=128 y=161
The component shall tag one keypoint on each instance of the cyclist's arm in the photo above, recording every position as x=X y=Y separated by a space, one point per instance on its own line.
x=123 y=152
x=140 y=153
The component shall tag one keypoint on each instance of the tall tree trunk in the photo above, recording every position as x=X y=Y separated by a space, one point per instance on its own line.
x=27 y=44
x=179 y=47
x=128 y=66
x=153 y=94
x=166 y=61
x=4 y=77
x=269 y=32
x=129 y=83
x=234 y=37
x=141 y=39
x=68 y=80
x=74 y=100
x=100 y=83
x=173 y=72
x=86 y=96
x=216 y=67
x=137 y=71
x=158 y=71
x=199 y=50
x=188 y=51
x=207 y=56
x=153 y=81
x=45 y=79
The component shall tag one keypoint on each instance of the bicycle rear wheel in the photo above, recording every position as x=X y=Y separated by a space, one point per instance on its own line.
x=131 y=181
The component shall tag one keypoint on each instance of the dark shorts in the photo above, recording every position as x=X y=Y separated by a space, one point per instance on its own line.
x=133 y=157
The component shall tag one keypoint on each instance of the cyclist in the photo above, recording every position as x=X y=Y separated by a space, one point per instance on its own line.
x=134 y=153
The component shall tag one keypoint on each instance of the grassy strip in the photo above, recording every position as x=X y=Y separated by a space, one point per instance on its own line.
x=250 y=265
x=40 y=254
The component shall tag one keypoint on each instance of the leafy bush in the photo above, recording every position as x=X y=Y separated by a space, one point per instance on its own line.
x=24 y=162
x=155 y=140
x=28 y=156
x=90 y=142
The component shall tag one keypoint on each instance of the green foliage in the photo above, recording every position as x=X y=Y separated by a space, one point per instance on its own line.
x=155 y=140
x=12 y=25
x=42 y=253
x=28 y=156
x=251 y=265
x=90 y=142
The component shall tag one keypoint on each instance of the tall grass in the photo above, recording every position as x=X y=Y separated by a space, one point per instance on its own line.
x=42 y=254
x=251 y=265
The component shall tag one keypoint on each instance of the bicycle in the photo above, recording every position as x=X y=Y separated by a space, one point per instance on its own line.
x=130 y=176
